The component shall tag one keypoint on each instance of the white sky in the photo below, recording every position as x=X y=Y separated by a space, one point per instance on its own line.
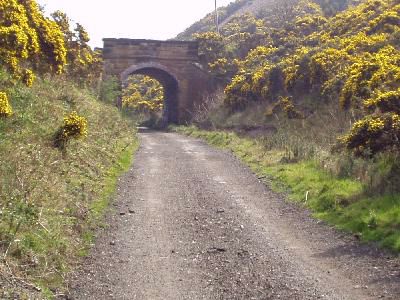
x=137 y=19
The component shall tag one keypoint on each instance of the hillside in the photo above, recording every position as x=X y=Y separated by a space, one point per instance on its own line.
x=256 y=8
x=208 y=22
x=51 y=199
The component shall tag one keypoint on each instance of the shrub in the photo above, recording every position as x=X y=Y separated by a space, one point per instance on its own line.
x=74 y=126
x=28 y=77
x=5 y=107
x=28 y=37
x=385 y=102
x=288 y=107
x=374 y=134
x=144 y=94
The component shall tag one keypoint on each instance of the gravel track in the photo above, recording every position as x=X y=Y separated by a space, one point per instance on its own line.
x=191 y=222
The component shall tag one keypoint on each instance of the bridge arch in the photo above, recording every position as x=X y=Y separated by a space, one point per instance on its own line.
x=175 y=64
x=168 y=80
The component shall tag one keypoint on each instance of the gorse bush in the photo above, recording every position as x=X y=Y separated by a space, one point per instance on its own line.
x=74 y=126
x=288 y=107
x=84 y=64
x=373 y=134
x=5 y=107
x=28 y=37
x=352 y=58
x=28 y=77
x=32 y=43
x=143 y=94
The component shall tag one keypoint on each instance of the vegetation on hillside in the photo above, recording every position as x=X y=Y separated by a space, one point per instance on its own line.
x=317 y=84
x=260 y=9
x=84 y=65
x=53 y=189
x=51 y=199
x=296 y=52
x=208 y=23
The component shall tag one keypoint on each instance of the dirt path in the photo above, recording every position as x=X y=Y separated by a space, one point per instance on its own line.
x=192 y=222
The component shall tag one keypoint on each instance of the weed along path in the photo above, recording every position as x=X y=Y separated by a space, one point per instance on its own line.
x=191 y=222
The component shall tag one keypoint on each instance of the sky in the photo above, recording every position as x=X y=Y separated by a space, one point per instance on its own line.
x=135 y=19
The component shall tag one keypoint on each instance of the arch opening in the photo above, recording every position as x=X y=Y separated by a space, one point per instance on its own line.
x=167 y=80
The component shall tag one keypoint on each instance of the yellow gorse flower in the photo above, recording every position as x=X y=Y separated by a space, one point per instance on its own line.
x=5 y=107
x=28 y=77
x=26 y=33
x=75 y=126
x=144 y=94
x=396 y=122
x=376 y=125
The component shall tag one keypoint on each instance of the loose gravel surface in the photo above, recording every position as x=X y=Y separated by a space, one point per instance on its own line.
x=191 y=222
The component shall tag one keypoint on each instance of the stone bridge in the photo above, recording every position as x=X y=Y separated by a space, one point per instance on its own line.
x=175 y=64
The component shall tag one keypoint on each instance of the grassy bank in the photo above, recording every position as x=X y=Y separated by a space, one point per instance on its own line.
x=52 y=200
x=342 y=201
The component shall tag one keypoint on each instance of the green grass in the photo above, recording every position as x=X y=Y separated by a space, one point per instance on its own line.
x=316 y=188
x=375 y=218
x=340 y=201
x=50 y=200
x=99 y=207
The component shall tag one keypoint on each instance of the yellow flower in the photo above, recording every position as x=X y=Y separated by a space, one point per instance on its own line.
x=28 y=77
x=74 y=126
x=376 y=125
x=396 y=121
x=5 y=107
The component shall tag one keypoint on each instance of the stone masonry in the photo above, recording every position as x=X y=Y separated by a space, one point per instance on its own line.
x=175 y=64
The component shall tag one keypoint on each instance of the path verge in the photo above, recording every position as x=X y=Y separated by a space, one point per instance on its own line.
x=338 y=201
